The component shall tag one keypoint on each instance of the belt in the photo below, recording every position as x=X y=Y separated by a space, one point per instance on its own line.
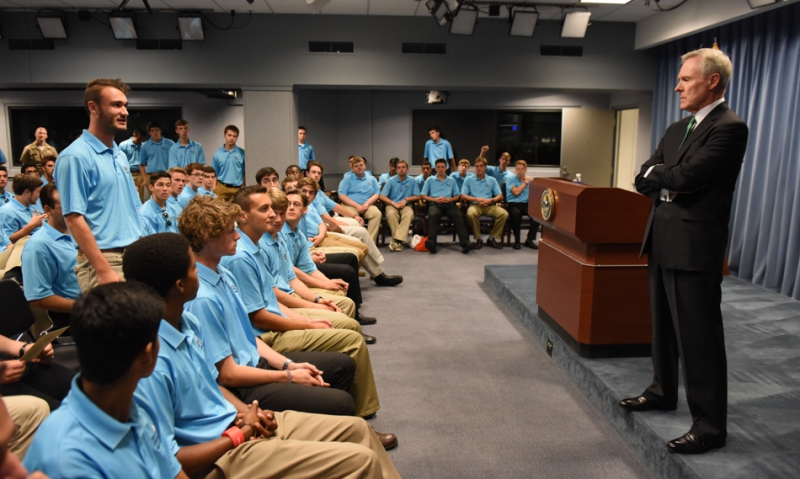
x=110 y=250
x=227 y=185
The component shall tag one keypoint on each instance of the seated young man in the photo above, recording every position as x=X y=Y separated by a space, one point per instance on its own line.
x=517 y=195
x=292 y=292
x=399 y=194
x=294 y=171
x=20 y=417
x=500 y=173
x=212 y=432
x=209 y=182
x=157 y=215
x=194 y=180
x=359 y=192
x=289 y=183
x=178 y=178
x=427 y=171
x=268 y=177
x=441 y=193
x=5 y=196
x=18 y=217
x=100 y=431
x=247 y=366
x=283 y=329
x=483 y=193
x=462 y=173
x=48 y=263
x=48 y=165
x=392 y=171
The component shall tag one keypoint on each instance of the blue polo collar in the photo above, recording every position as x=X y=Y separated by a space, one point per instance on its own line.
x=95 y=143
x=246 y=243
x=97 y=422
x=207 y=274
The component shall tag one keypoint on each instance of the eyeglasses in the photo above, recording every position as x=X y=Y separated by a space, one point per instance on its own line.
x=166 y=217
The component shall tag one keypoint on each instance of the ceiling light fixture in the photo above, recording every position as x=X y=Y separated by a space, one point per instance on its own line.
x=464 y=22
x=575 y=24
x=51 y=25
x=191 y=28
x=523 y=24
x=123 y=26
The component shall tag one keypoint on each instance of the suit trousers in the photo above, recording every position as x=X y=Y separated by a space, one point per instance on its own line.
x=515 y=212
x=50 y=382
x=687 y=324
x=399 y=221
x=309 y=445
x=338 y=370
x=435 y=212
x=372 y=217
x=474 y=212
x=344 y=267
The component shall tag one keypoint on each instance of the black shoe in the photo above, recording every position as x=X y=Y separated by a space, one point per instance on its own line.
x=431 y=246
x=530 y=244
x=516 y=245
x=365 y=320
x=642 y=403
x=692 y=444
x=369 y=339
x=478 y=244
x=384 y=280
x=491 y=242
x=466 y=248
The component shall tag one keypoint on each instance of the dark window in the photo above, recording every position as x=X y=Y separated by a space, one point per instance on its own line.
x=436 y=48
x=43 y=44
x=572 y=51
x=331 y=47
x=560 y=51
x=159 y=44
x=413 y=48
x=429 y=48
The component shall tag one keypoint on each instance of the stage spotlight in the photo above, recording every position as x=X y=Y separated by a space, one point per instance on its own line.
x=760 y=3
x=464 y=22
x=51 y=26
x=191 y=28
x=123 y=26
x=437 y=96
x=575 y=24
x=523 y=24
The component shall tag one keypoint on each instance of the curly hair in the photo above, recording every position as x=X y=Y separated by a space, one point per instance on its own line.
x=205 y=218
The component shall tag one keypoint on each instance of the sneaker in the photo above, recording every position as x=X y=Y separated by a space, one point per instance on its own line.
x=398 y=246
x=393 y=246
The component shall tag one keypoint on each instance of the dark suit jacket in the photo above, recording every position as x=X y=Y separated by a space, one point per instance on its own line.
x=691 y=232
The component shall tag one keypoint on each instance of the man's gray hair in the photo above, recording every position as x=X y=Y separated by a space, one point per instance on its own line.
x=713 y=61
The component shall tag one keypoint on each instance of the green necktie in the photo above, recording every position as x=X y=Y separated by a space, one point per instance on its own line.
x=689 y=129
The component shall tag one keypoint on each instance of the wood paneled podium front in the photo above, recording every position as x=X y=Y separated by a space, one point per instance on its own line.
x=592 y=287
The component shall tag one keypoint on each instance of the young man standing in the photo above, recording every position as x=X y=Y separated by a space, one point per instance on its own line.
x=203 y=429
x=359 y=192
x=5 y=196
x=38 y=150
x=209 y=182
x=194 y=180
x=517 y=195
x=462 y=173
x=437 y=147
x=305 y=152
x=18 y=217
x=399 y=194
x=98 y=197
x=441 y=193
x=48 y=165
x=48 y=263
x=154 y=154
x=427 y=169
x=229 y=164
x=158 y=215
x=185 y=151
x=483 y=193
x=99 y=431
x=246 y=365
x=132 y=148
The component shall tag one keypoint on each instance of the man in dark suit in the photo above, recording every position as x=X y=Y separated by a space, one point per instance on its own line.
x=691 y=178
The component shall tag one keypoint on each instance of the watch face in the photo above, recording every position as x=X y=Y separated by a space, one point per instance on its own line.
x=548 y=204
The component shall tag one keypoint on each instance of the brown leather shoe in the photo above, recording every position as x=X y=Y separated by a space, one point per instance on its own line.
x=388 y=440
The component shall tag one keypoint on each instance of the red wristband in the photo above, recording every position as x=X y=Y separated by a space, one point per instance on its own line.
x=235 y=434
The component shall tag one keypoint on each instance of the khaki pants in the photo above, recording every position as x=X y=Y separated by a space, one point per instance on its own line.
x=344 y=303
x=225 y=192
x=373 y=218
x=345 y=338
x=87 y=275
x=11 y=256
x=399 y=221
x=338 y=240
x=27 y=412
x=374 y=259
x=309 y=446
x=474 y=212
x=140 y=186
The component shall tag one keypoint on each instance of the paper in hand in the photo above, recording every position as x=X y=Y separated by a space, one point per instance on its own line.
x=34 y=351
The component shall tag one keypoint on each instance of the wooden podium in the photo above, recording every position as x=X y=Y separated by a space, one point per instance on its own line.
x=592 y=287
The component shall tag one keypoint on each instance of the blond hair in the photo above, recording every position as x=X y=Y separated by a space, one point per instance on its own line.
x=464 y=161
x=480 y=159
x=279 y=200
x=205 y=218
x=713 y=61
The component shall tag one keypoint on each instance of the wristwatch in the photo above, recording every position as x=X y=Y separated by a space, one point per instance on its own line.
x=316 y=300
x=286 y=365
x=22 y=349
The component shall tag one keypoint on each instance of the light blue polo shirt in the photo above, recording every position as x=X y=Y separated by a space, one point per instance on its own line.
x=155 y=156
x=397 y=190
x=186 y=196
x=205 y=192
x=434 y=151
x=80 y=440
x=173 y=202
x=48 y=265
x=298 y=247
x=181 y=156
x=323 y=204
x=383 y=179
x=276 y=258
x=154 y=220
x=95 y=181
x=182 y=394
x=224 y=326
x=436 y=188
x=13 y=217
x=305 y=153
x=485 y=188
x=512 y=198
x=44 y=182
x=421 y=181
x=250 y=270
x=229 y=165
x=132 y=151
x=2 y=158
x=499 y=176
x=312 y=219
x=460 y=179
x=5 y=197
x=359 y=189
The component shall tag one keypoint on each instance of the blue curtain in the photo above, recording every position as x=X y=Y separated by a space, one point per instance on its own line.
x=764 y=245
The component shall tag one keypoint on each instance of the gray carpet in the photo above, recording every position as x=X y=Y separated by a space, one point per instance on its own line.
x=467 y=390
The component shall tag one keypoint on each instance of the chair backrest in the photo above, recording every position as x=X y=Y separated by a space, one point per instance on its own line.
x=16 y=316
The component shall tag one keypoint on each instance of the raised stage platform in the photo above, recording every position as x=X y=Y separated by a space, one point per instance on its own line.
x=762 y=334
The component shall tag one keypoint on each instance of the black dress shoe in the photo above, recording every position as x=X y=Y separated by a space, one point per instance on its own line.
x=530 y=244
x=365 y=320
x=384 y=280
x=493 y=243
x=430 y=246
x=478 y=244
x=369 y=339
x=642 y=403
x=516 y=245
x=465 y=248
x=692 y=444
